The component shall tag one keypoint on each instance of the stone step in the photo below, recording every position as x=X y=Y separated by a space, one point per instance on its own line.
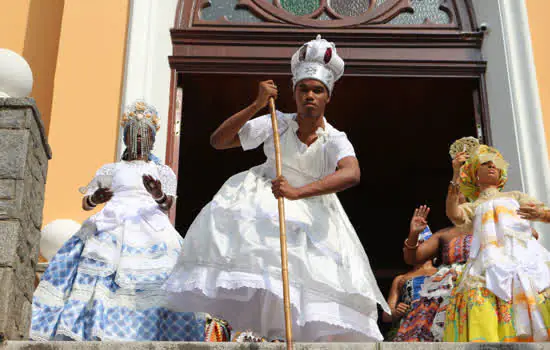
x=25 y=345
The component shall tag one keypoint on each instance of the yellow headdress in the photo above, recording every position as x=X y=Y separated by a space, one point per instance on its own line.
x=468 y=172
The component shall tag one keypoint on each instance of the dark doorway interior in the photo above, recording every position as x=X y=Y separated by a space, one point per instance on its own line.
x=401 y=129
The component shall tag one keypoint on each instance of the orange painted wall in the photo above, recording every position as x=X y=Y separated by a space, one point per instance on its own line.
x=40 y=49
x=540 y=30
x=13 y=24
x=86 y=100
x=31 y=28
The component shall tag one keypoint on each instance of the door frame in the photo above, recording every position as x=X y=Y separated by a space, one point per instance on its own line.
x=369 y=49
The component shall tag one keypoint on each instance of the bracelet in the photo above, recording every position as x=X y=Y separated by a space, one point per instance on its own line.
x=454 y=184
x=406 y=243
x=90 y=202
x=162 y=198
x=164 y=206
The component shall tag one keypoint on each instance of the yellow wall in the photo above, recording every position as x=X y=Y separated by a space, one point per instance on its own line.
x=13 y=24
x=538 y=11
x=86 y=100
x=40 y=50
x=31 y=28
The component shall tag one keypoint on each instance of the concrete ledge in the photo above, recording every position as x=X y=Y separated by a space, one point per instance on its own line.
x=25 y=345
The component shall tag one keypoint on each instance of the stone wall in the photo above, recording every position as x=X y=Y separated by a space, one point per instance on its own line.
x=24 y=155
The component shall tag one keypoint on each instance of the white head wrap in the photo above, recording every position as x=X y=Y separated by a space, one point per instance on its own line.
x=317 y=60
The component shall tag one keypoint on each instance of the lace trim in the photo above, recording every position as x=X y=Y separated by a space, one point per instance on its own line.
x=104 y=176
x=364 y=323
x=141 y=300
x=174 y=285
x=168 y=180
x=442 y=282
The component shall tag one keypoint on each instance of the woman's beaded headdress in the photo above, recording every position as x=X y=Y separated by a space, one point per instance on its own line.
x=140 y=118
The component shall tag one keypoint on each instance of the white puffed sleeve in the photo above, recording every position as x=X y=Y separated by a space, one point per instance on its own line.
x=168 y=180
x=103 y=178
x=338 y=148
x=256 y=131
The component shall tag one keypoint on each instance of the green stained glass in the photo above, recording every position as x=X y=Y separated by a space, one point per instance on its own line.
x=350 y=7
x=324 y=17
x=228 y=8
x=300 y=7
x=423 y=9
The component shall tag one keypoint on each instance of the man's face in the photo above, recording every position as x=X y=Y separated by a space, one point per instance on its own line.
x=311 y=98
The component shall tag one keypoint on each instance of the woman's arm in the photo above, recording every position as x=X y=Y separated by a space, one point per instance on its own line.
x=452 y=207
x=414 y=253
x=393 y=297
x=227 y=134
x=347 y=175
x=533 y=210
x=423 y=252
x=101 y=195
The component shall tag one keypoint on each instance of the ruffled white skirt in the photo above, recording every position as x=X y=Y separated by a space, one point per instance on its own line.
x=230 y=265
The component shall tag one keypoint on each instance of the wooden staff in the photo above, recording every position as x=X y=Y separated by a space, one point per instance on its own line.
x=282 y=227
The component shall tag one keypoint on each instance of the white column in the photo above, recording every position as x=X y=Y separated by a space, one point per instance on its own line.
x=147 y=73
x=514 y=103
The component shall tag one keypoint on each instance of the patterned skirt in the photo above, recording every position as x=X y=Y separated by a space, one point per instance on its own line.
x=417 y=324
x=77 y=300
x=477 y=315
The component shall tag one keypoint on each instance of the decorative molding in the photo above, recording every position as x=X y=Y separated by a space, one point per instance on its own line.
x=212 y=65
x=273 y=15
x=374 y=15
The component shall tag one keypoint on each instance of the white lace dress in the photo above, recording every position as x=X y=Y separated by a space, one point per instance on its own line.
x=231 y=265
x=105 y=282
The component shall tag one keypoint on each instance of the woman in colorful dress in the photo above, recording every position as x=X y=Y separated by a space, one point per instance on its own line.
x=502 y=295
x=105 y=282
x=405 y=290
x=424 y=322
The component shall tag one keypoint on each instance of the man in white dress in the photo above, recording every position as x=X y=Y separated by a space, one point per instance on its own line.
x=230 y=264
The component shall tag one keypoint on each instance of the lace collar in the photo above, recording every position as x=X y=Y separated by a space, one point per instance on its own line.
x=489 y=193
x=322 y=134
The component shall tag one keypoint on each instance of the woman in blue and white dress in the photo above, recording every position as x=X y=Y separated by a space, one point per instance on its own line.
x=105 y=282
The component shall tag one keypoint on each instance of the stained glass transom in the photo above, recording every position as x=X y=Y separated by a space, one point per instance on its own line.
x=228 y=8
x=300 y=7
x=324 y=17
x=423 y=9
x=350 y=7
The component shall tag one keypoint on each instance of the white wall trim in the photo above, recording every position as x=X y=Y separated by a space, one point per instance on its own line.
x=147 y=73
x=514 y=103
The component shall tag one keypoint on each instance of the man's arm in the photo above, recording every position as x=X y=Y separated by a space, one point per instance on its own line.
x=227 y=134
x=347 y=175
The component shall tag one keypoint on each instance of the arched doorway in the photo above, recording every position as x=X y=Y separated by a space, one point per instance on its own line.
x=414 y=83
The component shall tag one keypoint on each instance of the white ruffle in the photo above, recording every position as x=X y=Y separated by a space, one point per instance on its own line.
x=228 y=293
